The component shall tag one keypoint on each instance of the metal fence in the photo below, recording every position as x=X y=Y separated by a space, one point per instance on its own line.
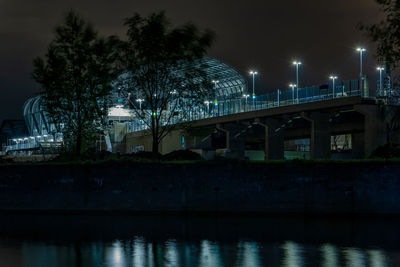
x=223 y=107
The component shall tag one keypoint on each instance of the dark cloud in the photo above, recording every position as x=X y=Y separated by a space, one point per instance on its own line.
x=260 y=34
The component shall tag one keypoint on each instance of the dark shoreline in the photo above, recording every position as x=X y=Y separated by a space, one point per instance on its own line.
x=294 y=189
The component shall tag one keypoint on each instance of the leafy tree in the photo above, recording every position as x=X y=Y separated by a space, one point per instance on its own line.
x=75 y=78
x=165 y=80
x=386 y=34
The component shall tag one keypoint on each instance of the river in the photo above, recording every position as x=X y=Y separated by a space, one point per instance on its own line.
x=116 y=240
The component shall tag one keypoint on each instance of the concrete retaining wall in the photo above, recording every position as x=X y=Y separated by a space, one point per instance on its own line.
x=348 y=188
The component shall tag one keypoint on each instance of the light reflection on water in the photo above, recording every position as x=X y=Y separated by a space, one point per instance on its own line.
x=140 y=242
x=172 y=253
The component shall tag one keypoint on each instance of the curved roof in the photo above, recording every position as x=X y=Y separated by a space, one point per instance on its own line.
x=231 y=83
x=35 y=116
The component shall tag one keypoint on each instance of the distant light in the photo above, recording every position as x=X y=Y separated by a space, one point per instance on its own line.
x=333 y=77
x=380 y=68
x=360 y=49
x=292 y=85
x=296 y=63
x=252 y=72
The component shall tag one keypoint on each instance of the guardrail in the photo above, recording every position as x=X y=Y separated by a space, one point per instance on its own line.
x=246 y=104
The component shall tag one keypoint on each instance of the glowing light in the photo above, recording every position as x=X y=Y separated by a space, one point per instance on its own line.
x=119 y=111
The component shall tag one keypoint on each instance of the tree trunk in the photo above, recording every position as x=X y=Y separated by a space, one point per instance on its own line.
x=155 y=144
x=78 y=141
x=79 y=134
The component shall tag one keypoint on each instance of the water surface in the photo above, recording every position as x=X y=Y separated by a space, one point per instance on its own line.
x=196 y=241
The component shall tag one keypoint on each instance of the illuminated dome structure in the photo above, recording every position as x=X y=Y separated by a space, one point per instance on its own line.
x=230 y=88
x=231 y=84
x=36 y=117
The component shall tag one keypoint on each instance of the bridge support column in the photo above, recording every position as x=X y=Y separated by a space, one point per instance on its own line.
x=375 y=132
x=274 y=138
x=320 y=140
x=235 y=139
x=357 y=144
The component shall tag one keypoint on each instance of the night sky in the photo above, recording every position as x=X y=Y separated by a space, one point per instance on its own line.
x=260 y=34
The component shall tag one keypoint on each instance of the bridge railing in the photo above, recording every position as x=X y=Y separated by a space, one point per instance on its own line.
x=278 y=98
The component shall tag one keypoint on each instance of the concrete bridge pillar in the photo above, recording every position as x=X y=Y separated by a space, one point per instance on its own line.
x=235 y=139
x=375 y=129
x=320 y=140
x=274 y=138
x=357 y=143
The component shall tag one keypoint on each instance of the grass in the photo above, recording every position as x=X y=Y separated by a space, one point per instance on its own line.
x=134 y=161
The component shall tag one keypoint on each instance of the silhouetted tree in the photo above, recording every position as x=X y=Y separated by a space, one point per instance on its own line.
x=164 y=71
x=75 y=78
x=386 y=34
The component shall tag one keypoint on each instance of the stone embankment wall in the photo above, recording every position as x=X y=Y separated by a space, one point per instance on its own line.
x=222 y=187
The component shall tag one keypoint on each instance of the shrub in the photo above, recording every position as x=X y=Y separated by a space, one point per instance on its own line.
x=182 y=155
x=389 y=150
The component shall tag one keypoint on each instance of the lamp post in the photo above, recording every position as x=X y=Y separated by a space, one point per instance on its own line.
x=208 y=106
x=292 y=85
x=297 y=64
x=140 y=100
x=253 y=73
x=333 y=78
x=245 y=97
x=216 y=100
x=380 y=69
x=361 y=51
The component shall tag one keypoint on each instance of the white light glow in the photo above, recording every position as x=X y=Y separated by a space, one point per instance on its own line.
x=119 y=111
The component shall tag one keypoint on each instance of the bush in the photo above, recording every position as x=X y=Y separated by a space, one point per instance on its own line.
x=145 y=155
x=182 y=155
x=88 y=155
x=389 y=150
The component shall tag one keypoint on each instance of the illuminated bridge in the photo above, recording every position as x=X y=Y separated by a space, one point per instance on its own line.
x=320 y=122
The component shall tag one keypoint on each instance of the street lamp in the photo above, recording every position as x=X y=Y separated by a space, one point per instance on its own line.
x=380 y=69
x=245 y=96
x=361 y=51
x=208 y=106
x=215 y=101
x=297 y=64
x=140 y=100
x=333 y=78
x=292 y=85
x=253 y=73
